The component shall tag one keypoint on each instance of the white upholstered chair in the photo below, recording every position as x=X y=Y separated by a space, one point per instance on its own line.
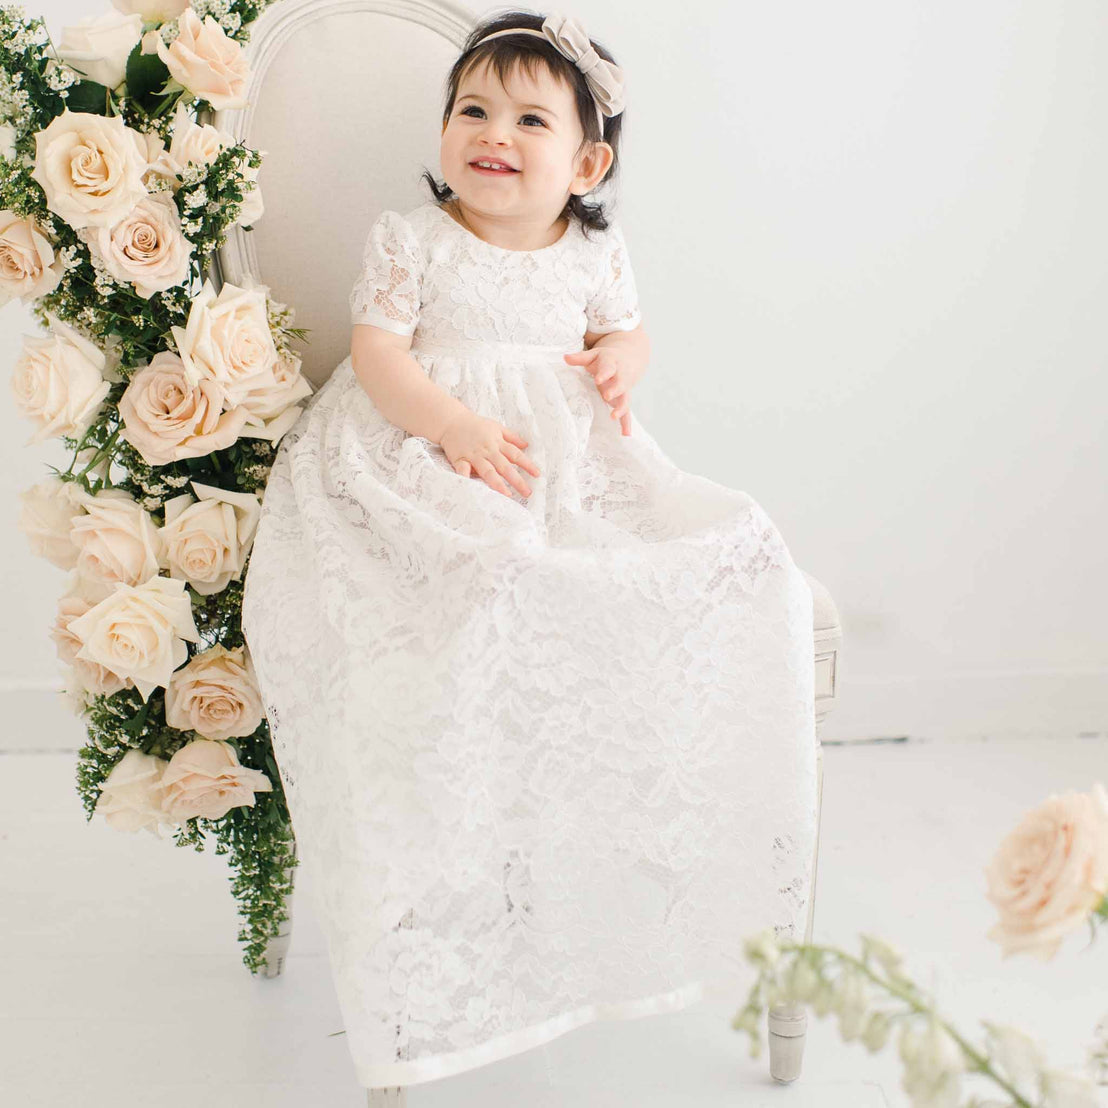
x=344 y=102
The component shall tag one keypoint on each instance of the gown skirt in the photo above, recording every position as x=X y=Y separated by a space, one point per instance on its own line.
x=549 y=759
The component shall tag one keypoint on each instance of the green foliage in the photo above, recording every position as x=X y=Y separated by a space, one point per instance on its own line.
x=131 y=329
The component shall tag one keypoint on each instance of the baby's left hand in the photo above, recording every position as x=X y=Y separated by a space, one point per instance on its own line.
x=613 y=376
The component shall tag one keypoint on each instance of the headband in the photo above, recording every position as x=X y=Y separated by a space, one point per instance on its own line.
x=605 y=79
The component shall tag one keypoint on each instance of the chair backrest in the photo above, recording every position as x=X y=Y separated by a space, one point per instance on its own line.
x=345 y=102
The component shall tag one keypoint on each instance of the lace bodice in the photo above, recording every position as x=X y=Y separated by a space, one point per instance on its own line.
x=423 y=274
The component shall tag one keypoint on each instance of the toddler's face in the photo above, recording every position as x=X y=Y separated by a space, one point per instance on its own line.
x=533 y=127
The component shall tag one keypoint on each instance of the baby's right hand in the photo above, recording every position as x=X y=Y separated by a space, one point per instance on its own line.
x=473 y=443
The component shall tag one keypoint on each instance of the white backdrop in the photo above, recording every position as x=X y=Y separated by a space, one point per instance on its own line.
x=870 y=244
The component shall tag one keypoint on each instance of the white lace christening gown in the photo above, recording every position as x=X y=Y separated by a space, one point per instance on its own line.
x=549 y=759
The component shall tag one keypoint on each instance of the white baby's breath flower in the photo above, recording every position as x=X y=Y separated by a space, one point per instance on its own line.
x=762 y=949
x=876 y=1032
x=1016 y=1054
x=1068 y=1090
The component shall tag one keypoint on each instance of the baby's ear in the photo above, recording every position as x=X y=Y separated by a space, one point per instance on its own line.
x=599 y=161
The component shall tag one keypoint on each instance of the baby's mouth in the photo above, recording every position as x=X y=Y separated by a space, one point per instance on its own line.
x=502 y=170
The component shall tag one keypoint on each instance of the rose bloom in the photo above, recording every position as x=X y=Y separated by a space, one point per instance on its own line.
x=28 y=267
x=116 y=538
x=273 y=408
x=98 y=46
x=152 y=11
x=48 y=511
x=206 y=61
x=132 y=796
x=92 y=677
x=146 y=247
x=227 y=339
x=139 y=631
x=205 y=779
x=166 y=417
x=206 y=541
x=1050 y=873
x=90 y=167
x=216 y=695
x=58 y=382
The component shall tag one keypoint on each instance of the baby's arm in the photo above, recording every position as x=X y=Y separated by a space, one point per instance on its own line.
x=397 y=383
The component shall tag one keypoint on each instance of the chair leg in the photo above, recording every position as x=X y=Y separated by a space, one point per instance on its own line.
x=788 y=1023
x=391 y=1097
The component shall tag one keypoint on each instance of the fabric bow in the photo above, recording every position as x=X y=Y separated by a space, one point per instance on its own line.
x=605 y=80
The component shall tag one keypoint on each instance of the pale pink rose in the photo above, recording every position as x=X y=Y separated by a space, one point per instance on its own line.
x=116 y=539
x=273 y=408
x=98 y=46
x=146 y=247
x=161 y=170
x=46 y=518
x=90 y=167
x=166 y=417
x=207 y=62
x=139 y=631
x=132 y=796
x=152 y=11
x=205 y=541
x=196 y=143
x=1050 y=873
x=216 y=695
x=205 y=780
x=28 y=266
x=91 y=676
x=227 y=339
x=58 y=382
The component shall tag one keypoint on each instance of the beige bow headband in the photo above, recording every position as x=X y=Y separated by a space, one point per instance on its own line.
x=604 y=78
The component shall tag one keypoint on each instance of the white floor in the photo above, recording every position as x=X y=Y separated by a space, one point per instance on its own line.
x=122 y=982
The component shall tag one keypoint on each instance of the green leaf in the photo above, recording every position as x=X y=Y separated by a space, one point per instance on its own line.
x=146 y=73
x=88 y=96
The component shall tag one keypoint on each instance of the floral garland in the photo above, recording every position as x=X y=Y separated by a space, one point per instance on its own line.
x=172 y=398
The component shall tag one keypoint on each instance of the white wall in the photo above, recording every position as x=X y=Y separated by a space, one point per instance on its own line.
x=870 y=242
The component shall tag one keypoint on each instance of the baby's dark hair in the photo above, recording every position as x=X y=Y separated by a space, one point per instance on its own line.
x=529 y=51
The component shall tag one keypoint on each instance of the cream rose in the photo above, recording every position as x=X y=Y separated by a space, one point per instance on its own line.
x=90 y=167
x=132 y=797
x=116 y=538
x=205 y=541
x=216 y=695
x=46 y=517
x=227 y=339
x=196 y=143
x=58 y=382
x=205 y=779
x=152 y=11
x=273 y=408
x=146 y=247
x=252 y=207
x=98 y=46
x=166 y=417
x=28 y=266
x=91 y=676
x=1050 y=873
x=139 y=631
x=206 y=61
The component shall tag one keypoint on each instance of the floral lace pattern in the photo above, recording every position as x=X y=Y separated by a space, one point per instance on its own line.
x=549 y=759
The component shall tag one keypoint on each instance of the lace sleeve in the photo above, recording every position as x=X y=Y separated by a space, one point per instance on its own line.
x=614 y=306
x=387 y=291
